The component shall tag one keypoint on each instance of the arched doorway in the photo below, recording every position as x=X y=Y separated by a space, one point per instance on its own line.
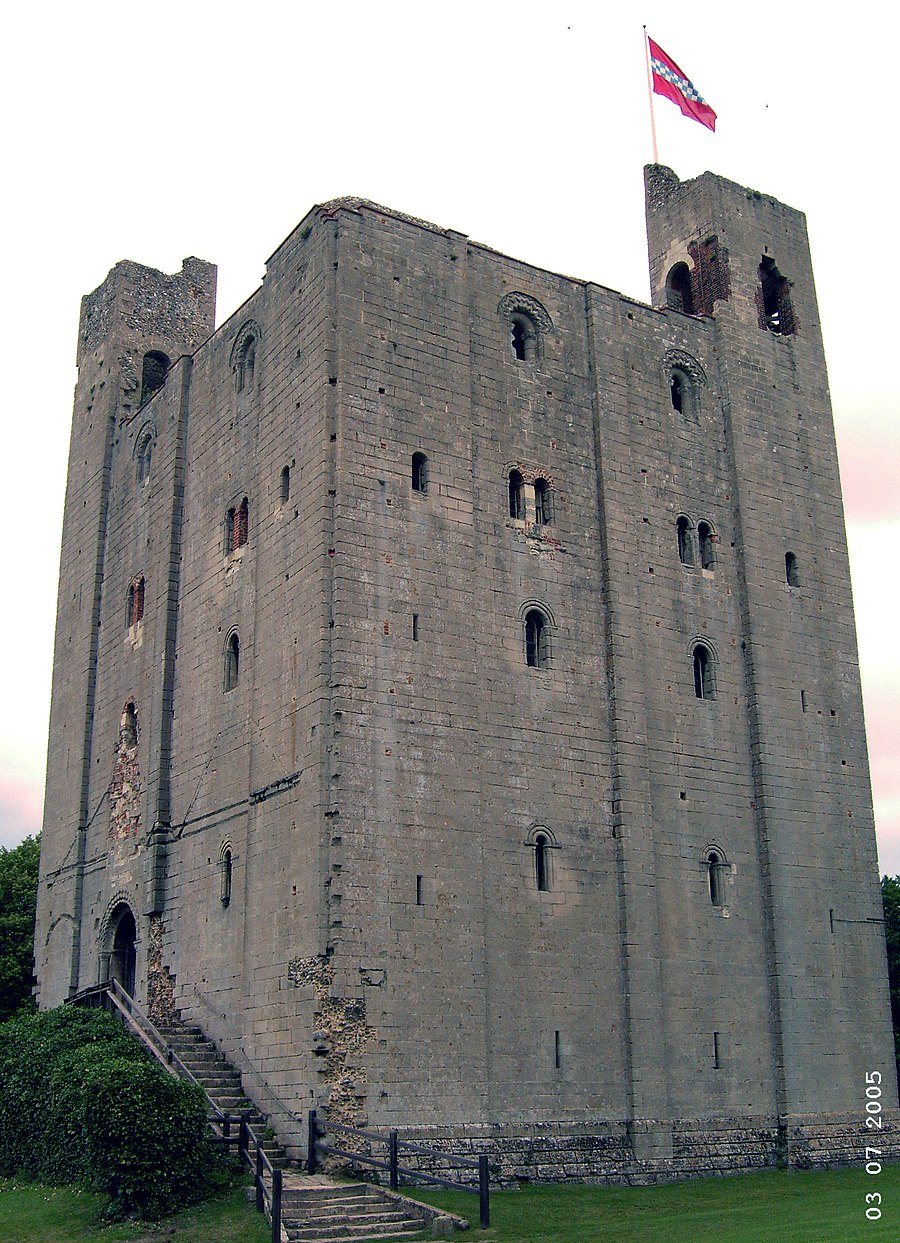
x=123 y=956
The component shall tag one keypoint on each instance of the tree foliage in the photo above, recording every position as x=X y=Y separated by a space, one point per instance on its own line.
x=81 y=1102
x=890 y=896
x=18 y=899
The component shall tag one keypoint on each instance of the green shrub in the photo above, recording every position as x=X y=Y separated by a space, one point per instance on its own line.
x=81 y=1102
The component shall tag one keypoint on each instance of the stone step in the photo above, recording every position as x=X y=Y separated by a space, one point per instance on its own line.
x=378 y=1216
x=350 y=1233
x=337 y=1191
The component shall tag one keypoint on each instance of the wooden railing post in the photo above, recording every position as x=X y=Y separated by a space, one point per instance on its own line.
x=312 y=1134
x=276 y=1205
x=483 y=1193
x=260 y=1199
x=392 y=1149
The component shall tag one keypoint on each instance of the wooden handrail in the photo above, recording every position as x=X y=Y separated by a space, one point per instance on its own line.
x=316 y=1128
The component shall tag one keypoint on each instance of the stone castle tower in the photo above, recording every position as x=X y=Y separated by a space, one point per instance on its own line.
x=456 y=709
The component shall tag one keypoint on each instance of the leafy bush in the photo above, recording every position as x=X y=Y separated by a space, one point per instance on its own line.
x=18 y=899
x=81 y=1102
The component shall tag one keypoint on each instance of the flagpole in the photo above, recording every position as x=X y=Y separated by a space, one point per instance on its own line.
x=650 y=93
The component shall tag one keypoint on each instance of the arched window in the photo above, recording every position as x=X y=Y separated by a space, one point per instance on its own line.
x=237 y=526
x=680 y=391
x=543 y=513
x=227 y=869
x=715 y=876
x=791 y=571
x=537 y=640
x=706 y=545
x=523 y=338
x=143 y=456
x=704 y=672
x=542 y=862
x=232 y=661
x=153 y=373
x=516 y=495
x=679 y=296
x=685 y=541
x=135 y=601
x=245 y=371
x=285 y=484
x=128 y=727
x=419 y=473
x=776 y=309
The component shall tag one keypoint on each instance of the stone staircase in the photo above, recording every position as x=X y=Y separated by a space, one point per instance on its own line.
x=315 y=1208
x=220 y=1081
x=318 y=1210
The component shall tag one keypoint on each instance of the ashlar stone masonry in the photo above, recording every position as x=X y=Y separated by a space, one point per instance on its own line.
x=456 y=709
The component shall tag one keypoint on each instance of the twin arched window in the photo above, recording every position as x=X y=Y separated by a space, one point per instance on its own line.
x=696 y=545
x=523 y=495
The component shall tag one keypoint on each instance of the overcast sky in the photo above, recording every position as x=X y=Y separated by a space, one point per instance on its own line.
x=156 y=132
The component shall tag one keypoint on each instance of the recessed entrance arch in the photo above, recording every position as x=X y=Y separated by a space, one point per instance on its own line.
x=123 y=948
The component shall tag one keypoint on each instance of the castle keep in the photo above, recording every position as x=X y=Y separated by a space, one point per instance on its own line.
x=456 y=709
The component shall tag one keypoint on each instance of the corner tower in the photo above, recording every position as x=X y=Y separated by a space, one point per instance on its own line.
x=718 y=249
x=120 y=514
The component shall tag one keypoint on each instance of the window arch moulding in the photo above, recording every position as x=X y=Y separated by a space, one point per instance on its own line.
x=244 y=360
x=527 y=324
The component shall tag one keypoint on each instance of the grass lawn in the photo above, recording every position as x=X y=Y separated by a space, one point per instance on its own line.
x=35 y=1214
x=770 y=1207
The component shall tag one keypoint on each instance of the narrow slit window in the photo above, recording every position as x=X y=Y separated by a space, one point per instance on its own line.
x=237 y=525
x=285 y=492
x=232 y=662
x=419 y=473
x=227 y=866
x=537 y=651
x=516 y=495
x=419 y=898
x=791 y=570
x=717 y=1051
x=715 y=867
x=557 y=1052
x=706 y=545
x=542 y=863
x=415 y=627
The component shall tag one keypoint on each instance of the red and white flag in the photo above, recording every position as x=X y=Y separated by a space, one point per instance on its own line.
x=670 y=81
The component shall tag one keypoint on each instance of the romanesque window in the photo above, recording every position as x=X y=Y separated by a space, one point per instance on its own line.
x=776 y=311
x=791 y=571
x=285 y=492
x=704 y=672
x=237 y=526
x=680 y=391
x=153 y=373
x=143 y=455
x=679 y=296
x=537 y=640
x=685 y=540
x=706 y=545
x=523 y=336
x=245 y=371
x=232 y=661
x=715 y=877
x=516 y=495
x=135 y=611
x=419 y=473
x=527 y=324
x=543 y=513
